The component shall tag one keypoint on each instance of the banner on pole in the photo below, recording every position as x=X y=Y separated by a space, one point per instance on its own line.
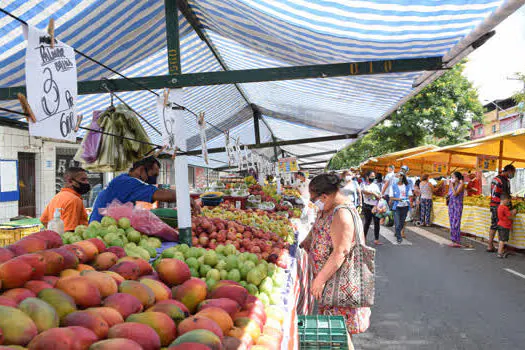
x=51 y=86
x=441 y=168
x=288 y=165
x=487 y=162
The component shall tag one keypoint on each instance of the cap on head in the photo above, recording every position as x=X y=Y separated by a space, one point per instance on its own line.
x=404 y=169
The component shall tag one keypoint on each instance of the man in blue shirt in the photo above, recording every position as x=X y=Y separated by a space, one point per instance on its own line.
x=137 y=185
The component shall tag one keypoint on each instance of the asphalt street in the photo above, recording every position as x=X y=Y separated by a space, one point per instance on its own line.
x=431 y=296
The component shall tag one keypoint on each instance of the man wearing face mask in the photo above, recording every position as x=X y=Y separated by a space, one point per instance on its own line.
x=137 y=185
x=70 y=200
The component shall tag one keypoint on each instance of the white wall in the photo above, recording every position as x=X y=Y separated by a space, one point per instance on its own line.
x=13 y=141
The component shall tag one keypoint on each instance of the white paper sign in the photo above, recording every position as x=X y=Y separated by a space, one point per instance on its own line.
x=51 y=84
x=8 y=178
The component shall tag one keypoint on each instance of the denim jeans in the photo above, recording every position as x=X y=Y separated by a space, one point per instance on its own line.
x=400 y=216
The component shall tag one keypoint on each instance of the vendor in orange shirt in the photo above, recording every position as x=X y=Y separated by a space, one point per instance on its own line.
x=70 y=200
x=474 y=185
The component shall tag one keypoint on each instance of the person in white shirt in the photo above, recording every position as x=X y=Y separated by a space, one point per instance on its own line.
x=371 y=195
x=351 y=189
x=389 y=179
x=302 y=186
x=400 y=194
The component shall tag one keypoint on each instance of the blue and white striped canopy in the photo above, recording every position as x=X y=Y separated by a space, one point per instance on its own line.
x=130 y=37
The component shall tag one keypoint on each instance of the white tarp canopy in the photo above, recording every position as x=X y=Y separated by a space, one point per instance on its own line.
x=130 y=37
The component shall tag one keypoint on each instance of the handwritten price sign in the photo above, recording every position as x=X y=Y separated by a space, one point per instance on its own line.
x=51 y=83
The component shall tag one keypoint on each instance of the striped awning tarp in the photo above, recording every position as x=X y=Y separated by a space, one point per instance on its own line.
x=129 y=36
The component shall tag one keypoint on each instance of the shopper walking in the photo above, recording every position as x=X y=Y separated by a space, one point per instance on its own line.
x=499 y=185
x=371 y=196
x=400 y=194
x=455 y=196
x=390 y=178
x=427 y=190
x=351 y=189
x=332 y=237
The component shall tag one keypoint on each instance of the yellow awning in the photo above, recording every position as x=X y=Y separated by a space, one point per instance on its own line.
x=510 y=147
x=381 y=163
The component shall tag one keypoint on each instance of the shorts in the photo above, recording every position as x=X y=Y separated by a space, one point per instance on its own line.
x=503 y=234
x=494 y=218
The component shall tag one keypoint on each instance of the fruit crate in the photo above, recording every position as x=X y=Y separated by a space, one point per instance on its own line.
x=10 y=234
x=322 y=332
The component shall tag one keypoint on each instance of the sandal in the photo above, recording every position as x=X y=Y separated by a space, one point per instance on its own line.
x=501 y=256
x=488 y=250
x=378 y=243
x=455 y=245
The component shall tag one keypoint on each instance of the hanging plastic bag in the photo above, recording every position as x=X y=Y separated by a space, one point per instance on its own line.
x=149 y=224
x=142 y=220
x=88 y=152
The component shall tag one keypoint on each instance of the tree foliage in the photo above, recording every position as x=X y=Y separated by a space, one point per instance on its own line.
x=440 y=114
x=519 y=96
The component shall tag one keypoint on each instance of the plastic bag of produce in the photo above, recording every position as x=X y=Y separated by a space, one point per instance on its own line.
x=142 y=220
x=118 y=210
x=149 y=224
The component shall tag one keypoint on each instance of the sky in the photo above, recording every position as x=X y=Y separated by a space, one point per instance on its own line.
x=499 y=58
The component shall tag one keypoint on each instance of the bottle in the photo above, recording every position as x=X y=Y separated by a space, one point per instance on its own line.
x=56 y=224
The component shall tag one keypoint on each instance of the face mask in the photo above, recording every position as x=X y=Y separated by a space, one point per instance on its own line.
x=152 y=180
x=511 y=175
x=453 y=180
x=348 y=178
x=82 y=188
x=371 y=179
x=319 y=204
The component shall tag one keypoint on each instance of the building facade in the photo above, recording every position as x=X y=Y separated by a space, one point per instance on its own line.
x=500 y=116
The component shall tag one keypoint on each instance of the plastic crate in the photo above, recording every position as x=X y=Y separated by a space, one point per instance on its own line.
x=322 y=332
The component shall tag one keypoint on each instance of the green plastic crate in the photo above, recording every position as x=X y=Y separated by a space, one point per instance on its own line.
x=322 y=332
x=169 y=216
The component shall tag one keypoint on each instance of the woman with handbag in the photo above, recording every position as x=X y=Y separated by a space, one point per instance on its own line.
x=343 y=266
x=455 y=196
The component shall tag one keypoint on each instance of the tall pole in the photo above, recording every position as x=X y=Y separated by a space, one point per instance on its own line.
x=500 y=160
x=182 y=186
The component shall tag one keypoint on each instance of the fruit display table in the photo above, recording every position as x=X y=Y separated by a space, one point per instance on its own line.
x=476 y=221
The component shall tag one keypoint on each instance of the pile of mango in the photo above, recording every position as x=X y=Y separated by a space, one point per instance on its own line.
x=86 y=295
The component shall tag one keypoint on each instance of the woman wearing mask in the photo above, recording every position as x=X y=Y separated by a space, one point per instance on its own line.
x=427 y=190
x=371 y=196
x=351 y=189
x=456 y=192
x=400 y=194
x=329 y=242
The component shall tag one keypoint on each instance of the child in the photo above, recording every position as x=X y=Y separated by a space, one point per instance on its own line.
x=505 y=216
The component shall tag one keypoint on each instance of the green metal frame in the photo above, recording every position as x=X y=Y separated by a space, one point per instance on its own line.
x=172 y=36
x=279 y=143
x=317 y=162
x=248 y=75
x=315 y=154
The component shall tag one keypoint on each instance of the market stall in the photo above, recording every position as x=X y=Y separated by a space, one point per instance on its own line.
x=486 y=154
x=476 y=221
x=381 y=163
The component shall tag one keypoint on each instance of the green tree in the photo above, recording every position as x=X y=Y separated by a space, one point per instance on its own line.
x=519 y=96
x=440 y=114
